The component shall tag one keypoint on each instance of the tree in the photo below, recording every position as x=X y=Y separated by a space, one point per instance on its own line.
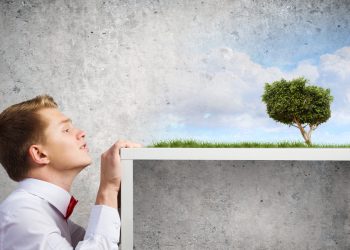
x=298 y=104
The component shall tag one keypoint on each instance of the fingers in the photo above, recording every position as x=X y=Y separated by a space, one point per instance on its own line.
x=124 y=144
x=135 y=145
x=115 y=148
x=127 y=144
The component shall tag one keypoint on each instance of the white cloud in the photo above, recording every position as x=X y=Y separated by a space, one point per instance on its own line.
x=335 y=74
x=336 y=66
x=242 y=121
x=341 y=117
x=175 y=121
x=225 y=83
x=306 y=69
x=206 y=115
x=348 y=95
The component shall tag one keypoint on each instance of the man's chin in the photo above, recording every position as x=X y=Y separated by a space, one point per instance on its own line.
x=88 y=163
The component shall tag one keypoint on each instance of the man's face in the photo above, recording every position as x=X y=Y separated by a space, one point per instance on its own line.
x=64 y=143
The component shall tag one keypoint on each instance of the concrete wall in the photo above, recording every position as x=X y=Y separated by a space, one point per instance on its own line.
x=115 y=66
x=241 y=205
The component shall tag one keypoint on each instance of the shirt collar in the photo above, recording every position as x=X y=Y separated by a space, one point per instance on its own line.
x=55 y=195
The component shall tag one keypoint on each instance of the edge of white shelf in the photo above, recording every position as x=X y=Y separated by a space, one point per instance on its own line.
x=302 y=154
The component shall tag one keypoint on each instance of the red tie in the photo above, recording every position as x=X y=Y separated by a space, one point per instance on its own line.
x=70 y=207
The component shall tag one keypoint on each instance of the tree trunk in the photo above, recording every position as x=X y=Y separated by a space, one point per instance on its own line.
x=308 y=142
x=306 y=135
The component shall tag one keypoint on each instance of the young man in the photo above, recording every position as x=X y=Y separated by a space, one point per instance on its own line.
x=42 y=150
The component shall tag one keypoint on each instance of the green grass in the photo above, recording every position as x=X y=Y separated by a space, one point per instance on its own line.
x=190 y=143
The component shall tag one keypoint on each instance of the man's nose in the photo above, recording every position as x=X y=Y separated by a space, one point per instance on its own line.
x=81 y=134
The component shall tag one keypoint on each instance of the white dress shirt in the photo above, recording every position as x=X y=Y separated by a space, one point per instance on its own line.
x=32 y=217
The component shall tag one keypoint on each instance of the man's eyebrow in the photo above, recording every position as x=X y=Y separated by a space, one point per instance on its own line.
x=68 y=120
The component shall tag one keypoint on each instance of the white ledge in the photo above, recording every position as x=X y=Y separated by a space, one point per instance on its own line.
x=298 y=154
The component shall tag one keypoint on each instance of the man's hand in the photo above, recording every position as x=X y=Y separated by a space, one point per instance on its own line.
x=111 y=173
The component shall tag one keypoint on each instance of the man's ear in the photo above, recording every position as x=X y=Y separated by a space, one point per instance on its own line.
x=38 y=155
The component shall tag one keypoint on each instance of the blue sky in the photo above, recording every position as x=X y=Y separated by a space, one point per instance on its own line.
x=223 y=71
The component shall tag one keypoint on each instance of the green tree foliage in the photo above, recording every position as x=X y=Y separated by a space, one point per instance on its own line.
x=299 y=104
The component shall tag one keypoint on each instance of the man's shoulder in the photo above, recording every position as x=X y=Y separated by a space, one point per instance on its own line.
x=26 y=216
x=20 y=202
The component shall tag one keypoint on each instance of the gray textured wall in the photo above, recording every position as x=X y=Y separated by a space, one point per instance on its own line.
x=255 y=205
x=113 y=66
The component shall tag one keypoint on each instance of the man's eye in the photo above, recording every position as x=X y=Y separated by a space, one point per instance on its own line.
x=66 y=130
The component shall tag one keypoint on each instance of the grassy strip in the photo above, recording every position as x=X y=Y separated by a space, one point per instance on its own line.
x=182 y=143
